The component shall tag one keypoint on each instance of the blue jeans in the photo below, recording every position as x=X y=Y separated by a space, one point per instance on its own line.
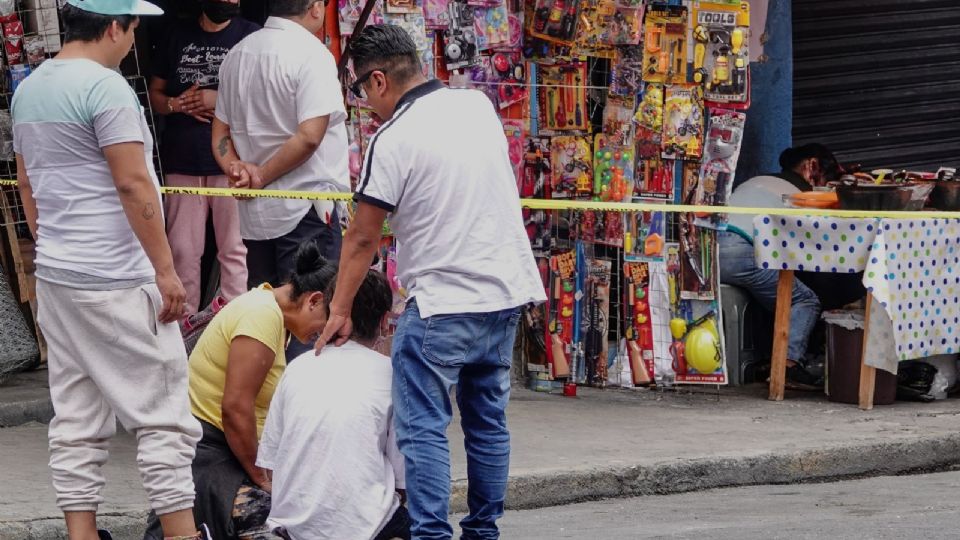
x=473 y=351
x=738 y=267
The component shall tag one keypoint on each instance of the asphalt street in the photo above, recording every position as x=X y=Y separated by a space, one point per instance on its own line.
x=900 y=507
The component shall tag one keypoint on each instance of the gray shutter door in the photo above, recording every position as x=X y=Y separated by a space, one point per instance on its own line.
x=878 y=81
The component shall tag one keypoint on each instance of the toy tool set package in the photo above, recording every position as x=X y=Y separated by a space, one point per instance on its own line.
x=721 y=55
x=604 y=103
x=665 y=45
x=555 y=20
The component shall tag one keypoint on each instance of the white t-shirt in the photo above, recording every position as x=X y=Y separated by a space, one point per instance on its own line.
x=329 y=441
x=441 y=166
x=758 y=192
x=271 y=82
x=64 y=114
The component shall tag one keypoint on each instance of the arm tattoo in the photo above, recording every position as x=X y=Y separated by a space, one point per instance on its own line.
x=222 y=145
x=148 y=211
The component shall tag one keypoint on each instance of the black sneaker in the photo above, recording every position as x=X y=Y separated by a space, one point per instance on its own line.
x=799 y=378
x=104 y=535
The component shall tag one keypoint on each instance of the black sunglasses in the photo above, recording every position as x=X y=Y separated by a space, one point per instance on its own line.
x=355 y=85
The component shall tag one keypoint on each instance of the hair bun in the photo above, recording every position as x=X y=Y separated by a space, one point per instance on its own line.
x=309 y=259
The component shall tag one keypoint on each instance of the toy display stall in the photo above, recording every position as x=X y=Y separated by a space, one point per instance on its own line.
x=613 y=101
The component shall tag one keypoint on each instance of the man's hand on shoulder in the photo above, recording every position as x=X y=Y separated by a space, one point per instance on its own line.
x=338 y=329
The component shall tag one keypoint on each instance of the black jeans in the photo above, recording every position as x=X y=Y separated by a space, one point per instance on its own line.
x=273 y=261
x=397 y=527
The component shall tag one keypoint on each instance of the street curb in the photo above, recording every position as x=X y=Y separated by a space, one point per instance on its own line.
x=23 y=412
x=926 y=454
x=808 y=466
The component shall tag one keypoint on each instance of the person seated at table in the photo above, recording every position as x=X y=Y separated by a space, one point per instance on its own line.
x=803 y=167
x=329 y=440
x=234 y=371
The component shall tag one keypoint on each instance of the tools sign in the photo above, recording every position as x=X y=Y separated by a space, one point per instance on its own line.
x=721 y=55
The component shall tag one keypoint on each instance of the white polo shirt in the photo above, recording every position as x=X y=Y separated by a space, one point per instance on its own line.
x=441 y=166
x=273 y=80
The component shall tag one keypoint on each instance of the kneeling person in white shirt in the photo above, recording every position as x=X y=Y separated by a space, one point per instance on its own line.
x=329 y=440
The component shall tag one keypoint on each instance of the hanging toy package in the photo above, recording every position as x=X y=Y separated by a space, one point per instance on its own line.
x=665 y=44
x=654 y=178
x=555 y=20
x=612 y=170
x=562 y=98
x=572 y=167
x=721 y=55
x=626 y=73
x=683 y=122
x=618 y=120
x=509 y=76
x=724 y=136
x=563 y=269
x=638 y=323
x=513 y=129
x=492 y=26
x=461 y=37
x=649 y=122
x=644 y=236
x=595 y=322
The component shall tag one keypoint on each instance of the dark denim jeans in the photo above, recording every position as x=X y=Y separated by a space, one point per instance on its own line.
x=738 y=267
x=474 y=352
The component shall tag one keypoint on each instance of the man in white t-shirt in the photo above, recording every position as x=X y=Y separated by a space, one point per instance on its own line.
x=108 y=296
x=803 y=167
x=329 y=440
x=440 y=166
x=280 y=125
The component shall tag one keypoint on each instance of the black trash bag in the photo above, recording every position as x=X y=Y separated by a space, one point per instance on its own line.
x=914 y=381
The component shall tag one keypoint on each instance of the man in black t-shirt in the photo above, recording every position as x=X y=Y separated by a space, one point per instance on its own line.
x=184 y=89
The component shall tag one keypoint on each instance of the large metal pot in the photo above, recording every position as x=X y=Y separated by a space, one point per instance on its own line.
x=874 y=197
x=946 y=195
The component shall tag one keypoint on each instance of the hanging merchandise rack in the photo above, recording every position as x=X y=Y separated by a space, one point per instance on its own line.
x=605 y=101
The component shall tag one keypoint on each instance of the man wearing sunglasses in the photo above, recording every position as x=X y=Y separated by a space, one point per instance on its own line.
x=440 y=166
x=279 y=125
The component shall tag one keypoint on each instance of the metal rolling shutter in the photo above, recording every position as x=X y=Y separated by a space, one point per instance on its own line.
x=878 y=81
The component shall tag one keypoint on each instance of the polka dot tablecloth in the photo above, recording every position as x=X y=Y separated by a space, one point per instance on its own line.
x=912 y=268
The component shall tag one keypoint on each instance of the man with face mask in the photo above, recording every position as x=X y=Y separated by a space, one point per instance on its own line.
x=803 y=167
x=107 y=293
x=184 y=90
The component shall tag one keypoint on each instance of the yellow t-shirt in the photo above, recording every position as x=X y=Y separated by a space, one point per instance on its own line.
x=254 y=314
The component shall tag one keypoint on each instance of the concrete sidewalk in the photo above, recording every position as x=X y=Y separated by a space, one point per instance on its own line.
x=605 y=443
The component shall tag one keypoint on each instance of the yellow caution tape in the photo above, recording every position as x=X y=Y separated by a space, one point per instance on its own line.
x=562 y=204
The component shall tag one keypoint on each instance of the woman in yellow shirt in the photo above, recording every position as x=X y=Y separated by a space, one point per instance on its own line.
x=234 y=370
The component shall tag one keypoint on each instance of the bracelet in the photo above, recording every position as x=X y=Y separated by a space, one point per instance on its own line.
x=170 y=105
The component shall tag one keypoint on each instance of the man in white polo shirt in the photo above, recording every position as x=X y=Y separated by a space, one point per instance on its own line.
x=440 y=166
x=280 y=125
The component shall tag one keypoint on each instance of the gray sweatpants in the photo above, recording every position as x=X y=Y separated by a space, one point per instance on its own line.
x=110 y=358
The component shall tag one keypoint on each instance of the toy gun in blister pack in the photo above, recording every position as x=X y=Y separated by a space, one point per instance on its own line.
x=637 y=333
x=688 y=237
